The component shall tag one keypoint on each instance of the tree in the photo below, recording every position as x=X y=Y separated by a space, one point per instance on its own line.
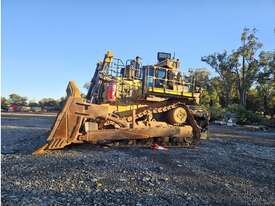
x=62 y=101
x=266 y=80
x=254 y=101
x=4 y=103
x=49 y=102
x=201 y=78
x=223 y=64
x=87 y=85
x=18 y=100
x=248 y=65
x=215 y=92
x=239 y=68
x=33 y=104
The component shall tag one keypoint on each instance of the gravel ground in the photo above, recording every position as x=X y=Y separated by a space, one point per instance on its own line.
x=233 y=167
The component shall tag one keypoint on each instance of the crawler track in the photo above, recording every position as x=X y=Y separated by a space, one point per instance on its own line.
x=151 y=111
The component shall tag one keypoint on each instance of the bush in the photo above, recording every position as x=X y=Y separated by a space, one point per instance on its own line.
x=243 y=115
x=268 y=122
x=216 y=113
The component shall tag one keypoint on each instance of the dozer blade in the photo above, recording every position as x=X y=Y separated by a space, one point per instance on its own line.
x=66 y=125
x=68 y=122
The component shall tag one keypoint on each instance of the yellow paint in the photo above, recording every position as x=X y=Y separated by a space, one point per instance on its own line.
x=72 y=89
x=167 y=91
x=122 y=108
x=108 y=57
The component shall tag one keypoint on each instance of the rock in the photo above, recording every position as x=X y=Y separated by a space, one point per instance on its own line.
x=98 y=184
x=118 y=190
x=34 y=192
x=227 y=185
x=123 y=180
x=94 y=180
x=13 y=198
x=145 y=179
x=78 y=199
x=164 y=179
x=17 y=183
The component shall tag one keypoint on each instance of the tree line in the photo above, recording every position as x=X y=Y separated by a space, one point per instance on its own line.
x=19 y=101
x=245 y=83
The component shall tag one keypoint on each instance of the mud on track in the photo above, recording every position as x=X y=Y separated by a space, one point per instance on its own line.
x=234 y=167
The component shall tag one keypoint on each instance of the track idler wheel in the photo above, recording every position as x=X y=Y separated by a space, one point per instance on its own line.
x=177 y=115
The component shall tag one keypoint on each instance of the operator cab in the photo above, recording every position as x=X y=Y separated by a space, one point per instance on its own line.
x=164 y=78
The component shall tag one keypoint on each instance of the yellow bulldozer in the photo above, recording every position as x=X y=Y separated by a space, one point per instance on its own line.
x=128 y=104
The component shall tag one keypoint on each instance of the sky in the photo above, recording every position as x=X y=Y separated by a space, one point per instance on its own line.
x=46 y=43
